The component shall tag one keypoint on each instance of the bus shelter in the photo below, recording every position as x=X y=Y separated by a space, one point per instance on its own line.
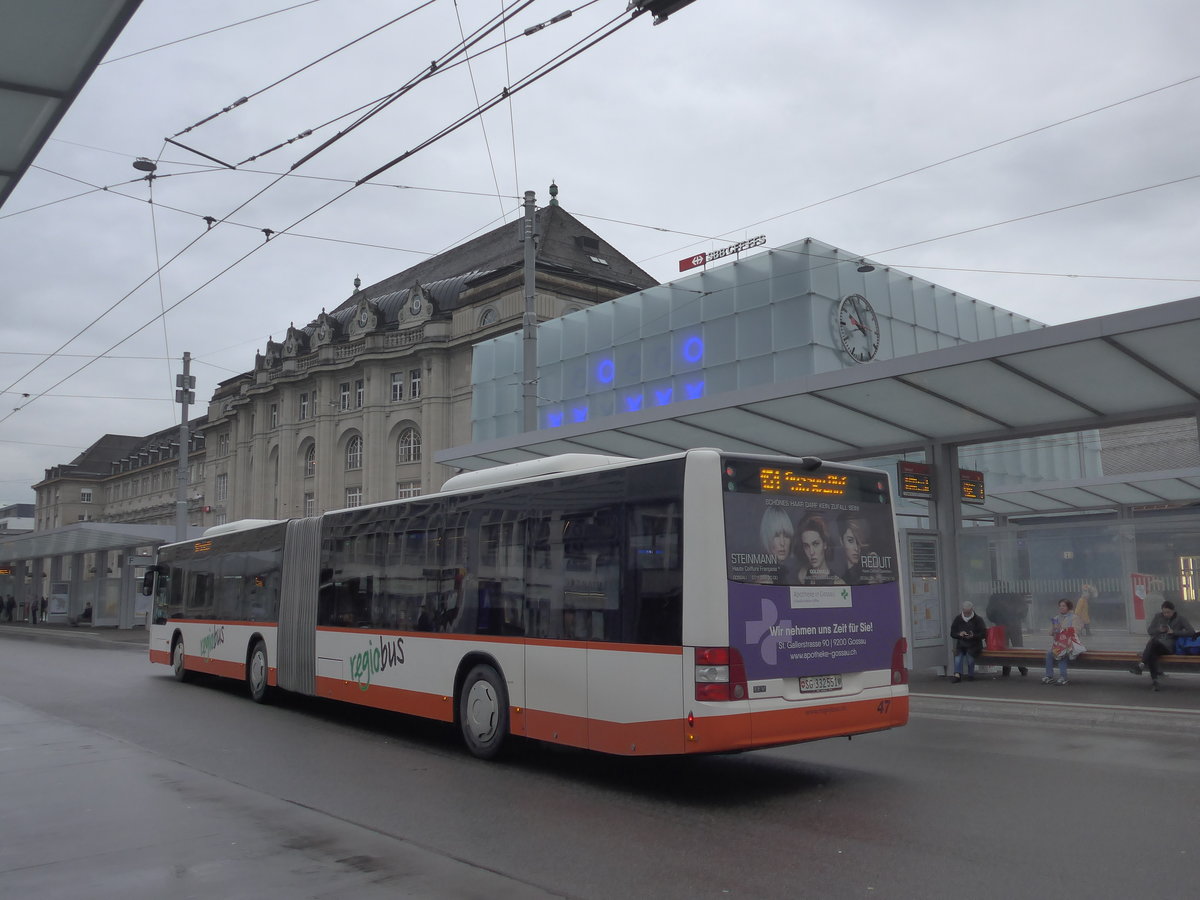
x=976 y=530
x=88 y=573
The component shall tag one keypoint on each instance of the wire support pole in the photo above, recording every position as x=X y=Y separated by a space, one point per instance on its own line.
x=529 y=320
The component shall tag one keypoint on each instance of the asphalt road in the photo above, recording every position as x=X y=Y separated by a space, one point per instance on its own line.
x=118 y=782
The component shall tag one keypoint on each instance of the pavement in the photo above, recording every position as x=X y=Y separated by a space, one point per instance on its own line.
x=1093 y=698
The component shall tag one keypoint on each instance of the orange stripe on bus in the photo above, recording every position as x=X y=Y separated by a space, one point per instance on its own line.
x=792 y=726
x=160 y=656
x=206 y=665
x=416 y=703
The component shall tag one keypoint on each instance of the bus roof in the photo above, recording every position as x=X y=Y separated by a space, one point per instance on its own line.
x=531 y=468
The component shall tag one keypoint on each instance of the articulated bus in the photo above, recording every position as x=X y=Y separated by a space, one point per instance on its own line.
x=695 y=603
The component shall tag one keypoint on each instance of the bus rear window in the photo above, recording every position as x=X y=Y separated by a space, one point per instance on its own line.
x=791 y=525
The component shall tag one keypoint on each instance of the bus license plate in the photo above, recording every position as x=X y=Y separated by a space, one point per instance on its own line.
x=812 y=684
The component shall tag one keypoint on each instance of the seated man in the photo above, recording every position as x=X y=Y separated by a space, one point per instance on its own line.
x=1163 y=629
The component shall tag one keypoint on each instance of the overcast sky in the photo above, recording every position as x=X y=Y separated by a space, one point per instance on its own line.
x=732 y=119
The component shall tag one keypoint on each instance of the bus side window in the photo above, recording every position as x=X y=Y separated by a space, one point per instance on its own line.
x=656 y=577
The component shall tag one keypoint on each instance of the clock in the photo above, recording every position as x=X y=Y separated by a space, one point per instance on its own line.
x=364 y=317
x=858 y=327
x=415 y=304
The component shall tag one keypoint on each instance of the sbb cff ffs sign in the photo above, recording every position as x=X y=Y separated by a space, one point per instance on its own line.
x=701 y=259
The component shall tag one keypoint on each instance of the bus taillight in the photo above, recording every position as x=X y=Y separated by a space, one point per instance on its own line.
x=720 y=674
x=899 y=672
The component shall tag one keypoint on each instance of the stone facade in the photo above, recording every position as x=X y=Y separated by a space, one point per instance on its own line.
x=350 y=408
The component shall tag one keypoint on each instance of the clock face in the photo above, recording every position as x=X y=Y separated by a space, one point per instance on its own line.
x=415 y=305
x=363 y=318
x=858 y=327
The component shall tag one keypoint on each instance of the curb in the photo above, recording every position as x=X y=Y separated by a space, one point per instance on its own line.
x=76 y=638
x=1056 y=713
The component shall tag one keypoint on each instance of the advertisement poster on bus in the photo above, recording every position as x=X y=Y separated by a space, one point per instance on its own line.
x=813 y=583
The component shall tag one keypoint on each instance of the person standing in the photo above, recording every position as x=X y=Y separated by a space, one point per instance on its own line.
x=968 y=630
x=1064 y=630
x=1083 y=612
x=42 y=610
x=1166 y=625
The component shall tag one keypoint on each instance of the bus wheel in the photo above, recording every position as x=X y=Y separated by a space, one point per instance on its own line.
x=181 y=674
x=483 y=712
x=256 y=673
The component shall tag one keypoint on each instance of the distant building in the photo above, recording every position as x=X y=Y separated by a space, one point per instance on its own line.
x=16 y=519
x=121 y=478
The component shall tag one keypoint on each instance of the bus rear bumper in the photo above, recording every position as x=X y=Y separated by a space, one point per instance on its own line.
x=780 y=726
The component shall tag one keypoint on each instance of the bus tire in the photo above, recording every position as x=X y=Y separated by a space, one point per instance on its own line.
x=177 y=666
x=257 y=673
x=483 y=711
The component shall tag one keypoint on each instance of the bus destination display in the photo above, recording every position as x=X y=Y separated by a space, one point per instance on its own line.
x=787 y=481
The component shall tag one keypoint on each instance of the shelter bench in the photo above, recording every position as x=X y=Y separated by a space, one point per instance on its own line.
x=1089 y=659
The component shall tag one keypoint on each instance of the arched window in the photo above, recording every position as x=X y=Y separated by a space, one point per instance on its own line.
x=409 y=449
x=354 y=453
x=487 y=317
x=310 y=461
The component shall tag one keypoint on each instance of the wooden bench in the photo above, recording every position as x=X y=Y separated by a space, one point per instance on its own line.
x=1090 y=659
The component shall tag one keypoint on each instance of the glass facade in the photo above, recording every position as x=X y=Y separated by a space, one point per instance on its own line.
x=768 y=318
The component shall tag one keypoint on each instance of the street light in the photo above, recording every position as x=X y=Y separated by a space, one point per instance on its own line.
x=142 y=164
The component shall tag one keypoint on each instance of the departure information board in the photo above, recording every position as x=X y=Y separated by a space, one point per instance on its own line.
x=915 y=480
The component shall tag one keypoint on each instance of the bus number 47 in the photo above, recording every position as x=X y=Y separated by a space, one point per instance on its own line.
x=883 y=707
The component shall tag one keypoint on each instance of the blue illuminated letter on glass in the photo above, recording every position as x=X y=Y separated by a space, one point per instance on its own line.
x=693 y=350
x=605 y=371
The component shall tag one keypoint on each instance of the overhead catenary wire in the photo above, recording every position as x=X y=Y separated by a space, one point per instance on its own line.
x=560 y=59
x=479 y=34
x=584 y=44
x=204 y=33
x=449 y=54
x=947 y=160
x=243 y=100
x=482 y=125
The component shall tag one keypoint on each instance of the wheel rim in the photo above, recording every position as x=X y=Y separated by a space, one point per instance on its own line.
x=177 y=660
x=258 y=672
x=483 y=712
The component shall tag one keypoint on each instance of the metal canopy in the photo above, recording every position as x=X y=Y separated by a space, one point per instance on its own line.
x=48 y=51
x=87 y=537
x=1134 y=366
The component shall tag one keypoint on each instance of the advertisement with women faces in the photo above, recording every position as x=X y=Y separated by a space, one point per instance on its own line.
x=813 y=580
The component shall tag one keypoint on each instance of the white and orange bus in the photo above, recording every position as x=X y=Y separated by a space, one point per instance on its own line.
x=695 y=603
